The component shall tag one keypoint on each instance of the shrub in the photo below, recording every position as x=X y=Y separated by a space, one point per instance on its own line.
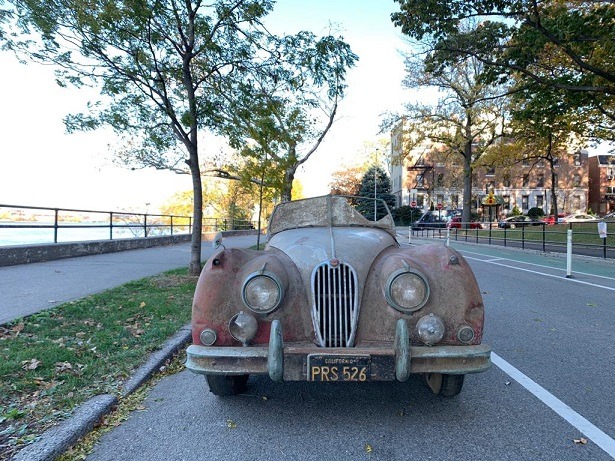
x=535 y=212
x=406 y=214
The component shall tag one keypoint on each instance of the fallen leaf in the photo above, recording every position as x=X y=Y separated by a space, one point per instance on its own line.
x=18 y=328
x=368 y=448
x=581 y=441
x=31 y=364
x=142 y=304
x=63 y=366
x=231 y=424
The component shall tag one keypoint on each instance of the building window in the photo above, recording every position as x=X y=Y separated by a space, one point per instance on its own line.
x=576 y=181
x=525 y=200
x=540 y=181
x=526 y=180
x=455 y=201
x=539 y=201
x=420 y=182
x=577 y=159
x=576 y=202
x=440 y=179
x=506 y=180
x=490 y=171
x=506 y=202
x=525 y=162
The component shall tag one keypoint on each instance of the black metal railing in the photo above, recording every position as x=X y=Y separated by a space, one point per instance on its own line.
x=538 y=236
x=27 y=224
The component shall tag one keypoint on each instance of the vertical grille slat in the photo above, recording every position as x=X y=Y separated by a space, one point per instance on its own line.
x=335 y=310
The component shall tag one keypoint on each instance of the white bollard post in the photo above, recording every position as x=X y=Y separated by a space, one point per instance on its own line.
x=410 y=234
x=569 y=254
x=448 y=237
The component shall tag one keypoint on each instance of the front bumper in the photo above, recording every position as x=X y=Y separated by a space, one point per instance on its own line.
x=290 y=362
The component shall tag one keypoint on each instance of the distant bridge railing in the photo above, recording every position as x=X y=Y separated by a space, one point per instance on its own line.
x=21 y=225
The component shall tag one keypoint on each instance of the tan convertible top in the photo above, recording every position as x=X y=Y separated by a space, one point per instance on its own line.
x=325 y=211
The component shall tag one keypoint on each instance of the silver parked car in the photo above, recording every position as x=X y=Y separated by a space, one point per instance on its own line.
x=334 y=297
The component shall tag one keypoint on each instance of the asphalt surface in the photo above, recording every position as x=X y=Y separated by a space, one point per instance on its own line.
x=31 y=288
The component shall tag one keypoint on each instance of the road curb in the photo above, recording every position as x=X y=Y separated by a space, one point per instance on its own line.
x=55 y=441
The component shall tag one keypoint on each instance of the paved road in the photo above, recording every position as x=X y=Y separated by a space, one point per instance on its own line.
x=30 y=288
x=551 y=384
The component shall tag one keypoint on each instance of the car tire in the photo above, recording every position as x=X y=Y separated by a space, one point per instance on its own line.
x=445 y=385
x=225 y=385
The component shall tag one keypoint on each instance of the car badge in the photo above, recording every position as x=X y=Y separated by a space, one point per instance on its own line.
x=334 y=262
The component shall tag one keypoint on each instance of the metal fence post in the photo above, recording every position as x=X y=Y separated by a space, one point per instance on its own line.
x=569 y=254
x=55 y=225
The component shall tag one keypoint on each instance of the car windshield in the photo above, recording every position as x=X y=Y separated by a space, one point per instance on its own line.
x=331 y=210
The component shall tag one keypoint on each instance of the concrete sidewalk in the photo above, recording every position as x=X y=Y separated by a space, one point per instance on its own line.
x=30 y=288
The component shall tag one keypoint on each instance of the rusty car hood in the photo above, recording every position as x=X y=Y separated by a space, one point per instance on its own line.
x=308 y=247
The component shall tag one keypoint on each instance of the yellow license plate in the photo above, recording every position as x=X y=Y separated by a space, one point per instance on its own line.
x=328 y=367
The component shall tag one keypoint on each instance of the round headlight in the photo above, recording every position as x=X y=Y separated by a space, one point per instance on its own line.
x=262 y=293
x=430 y=329
x=407 y=290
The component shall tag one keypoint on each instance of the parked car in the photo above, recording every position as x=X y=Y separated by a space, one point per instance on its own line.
x=551 y=218
x=519 y=221
x=457 y=223
x=433 y=219
x=579 y=217
x=333 y=297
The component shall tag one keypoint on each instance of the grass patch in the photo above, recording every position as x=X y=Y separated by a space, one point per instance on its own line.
x=53 y=361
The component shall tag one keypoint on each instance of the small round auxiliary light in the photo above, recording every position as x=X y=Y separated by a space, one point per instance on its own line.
x=430 y=329
x=243 y=327
x=465 y=334
x=334 y=262
x=208 y=337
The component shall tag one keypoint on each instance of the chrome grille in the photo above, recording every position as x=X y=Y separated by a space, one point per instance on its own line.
x=335 y=312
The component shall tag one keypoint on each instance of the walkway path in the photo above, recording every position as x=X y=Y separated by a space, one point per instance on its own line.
x=30 y=288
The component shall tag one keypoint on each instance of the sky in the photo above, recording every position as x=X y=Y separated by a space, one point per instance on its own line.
x=41 y=165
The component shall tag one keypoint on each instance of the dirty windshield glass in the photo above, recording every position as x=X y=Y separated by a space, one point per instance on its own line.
x=331 y=210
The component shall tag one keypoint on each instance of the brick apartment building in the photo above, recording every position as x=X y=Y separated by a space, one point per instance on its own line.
x=602 y=183
x=425 y=180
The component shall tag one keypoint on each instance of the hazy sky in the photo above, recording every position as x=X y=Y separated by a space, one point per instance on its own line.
x=40 y=165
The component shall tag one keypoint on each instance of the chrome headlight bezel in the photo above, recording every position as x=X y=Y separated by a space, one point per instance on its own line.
x=262 y=276
x=396 y=277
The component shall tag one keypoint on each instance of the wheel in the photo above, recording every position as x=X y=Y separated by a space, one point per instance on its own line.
x=224 y=385
x=445 y=385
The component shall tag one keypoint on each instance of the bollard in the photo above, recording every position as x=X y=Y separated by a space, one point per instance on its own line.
x=447 y=242
x=410 y=234
x=569 y=254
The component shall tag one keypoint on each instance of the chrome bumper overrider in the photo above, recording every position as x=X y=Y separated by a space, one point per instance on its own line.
x=289 y=363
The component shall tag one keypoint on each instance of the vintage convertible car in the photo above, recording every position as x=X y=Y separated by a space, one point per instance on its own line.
x=333 y=297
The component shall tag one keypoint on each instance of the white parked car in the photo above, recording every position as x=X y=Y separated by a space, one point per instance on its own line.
x=579 y=217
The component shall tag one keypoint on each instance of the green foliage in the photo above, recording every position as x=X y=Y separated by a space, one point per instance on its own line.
x=563 y=47
x=516 y=211
x=405 y=215
x=535 y=212
x=375 y=184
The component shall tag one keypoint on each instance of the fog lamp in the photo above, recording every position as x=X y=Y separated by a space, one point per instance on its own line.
x=465 y=334
x=243 y=327
x=430 y=329
x=208 y=337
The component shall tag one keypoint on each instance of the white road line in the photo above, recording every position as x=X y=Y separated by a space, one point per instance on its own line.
x=534 y=264
x=572 y=417
x=541 y=273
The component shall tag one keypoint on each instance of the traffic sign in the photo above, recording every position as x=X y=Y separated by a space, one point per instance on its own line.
x=413 y=204
x=439 y=206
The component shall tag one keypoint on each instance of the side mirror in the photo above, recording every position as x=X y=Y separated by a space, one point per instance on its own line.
x=217 y=241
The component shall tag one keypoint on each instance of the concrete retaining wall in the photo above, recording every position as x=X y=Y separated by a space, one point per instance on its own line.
x=13 y=255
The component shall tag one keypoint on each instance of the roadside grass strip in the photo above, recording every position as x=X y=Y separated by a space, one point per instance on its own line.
x=53 y=361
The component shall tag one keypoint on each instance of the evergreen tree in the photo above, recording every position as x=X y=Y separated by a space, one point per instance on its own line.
x=375 y=184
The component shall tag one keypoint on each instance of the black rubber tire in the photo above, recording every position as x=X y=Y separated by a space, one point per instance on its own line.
x=445 y=385
x=225 y=385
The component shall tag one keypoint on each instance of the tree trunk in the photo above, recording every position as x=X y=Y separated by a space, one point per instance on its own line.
x=197 y=212
x=466 y=214
x=287 y=186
